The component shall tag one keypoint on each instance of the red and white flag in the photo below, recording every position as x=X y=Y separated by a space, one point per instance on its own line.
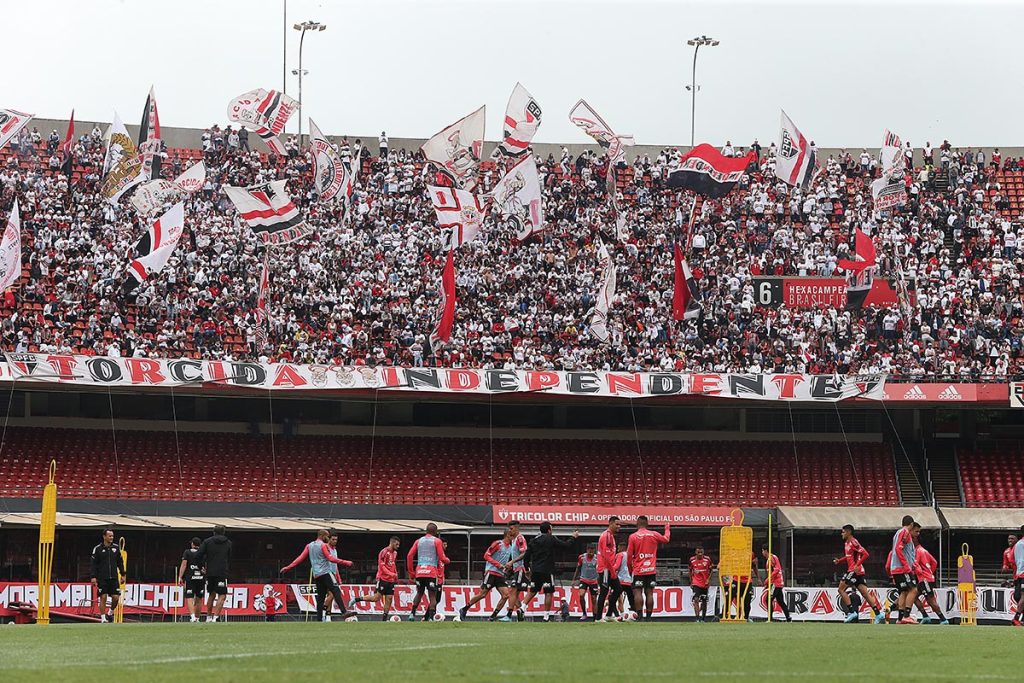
x=457 y=149
x=66 y=164
x=459 y=214
x=517 y=197
x=860 y=275
x=605 y=295
x=265 y=112
x=442 y=332
x=155 y=247
x=10 y=250
x=261 y=294
x=522 y=119
x=11 y=123
x=149 y=138
x=328 y=169
x=269 y=211
x=686 y=296
x=795 y=161
x=153 y=195
x=584 y=116
x=891 y=155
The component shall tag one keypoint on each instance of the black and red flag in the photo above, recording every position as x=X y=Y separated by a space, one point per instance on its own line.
x=860 y=271
x=705 y=171
x=67 y=164
x=686 y=296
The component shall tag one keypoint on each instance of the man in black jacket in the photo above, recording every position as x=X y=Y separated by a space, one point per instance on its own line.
x=215 y=554
x=540 y=560
x=107 y=570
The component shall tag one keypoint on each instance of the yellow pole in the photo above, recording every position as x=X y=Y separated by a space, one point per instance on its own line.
x=309 y=591
x=122 y=580
x=768 y=568
x=47 y=528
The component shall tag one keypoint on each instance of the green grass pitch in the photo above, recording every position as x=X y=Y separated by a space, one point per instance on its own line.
x=473 y=651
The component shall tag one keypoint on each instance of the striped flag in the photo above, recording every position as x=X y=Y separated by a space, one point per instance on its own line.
x=522 y=118
x=156 y=246
x=67 y=164
x=795 y=161
x=442 y=332
x=149 y=138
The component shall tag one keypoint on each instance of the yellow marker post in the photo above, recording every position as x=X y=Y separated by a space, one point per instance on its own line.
x=122 y=580
x=47 y=528
x=734 y=561
x=967 y=598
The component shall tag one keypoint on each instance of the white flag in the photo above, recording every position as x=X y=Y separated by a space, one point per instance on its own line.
x=891 y=155
x=522 y=119
x=156 y=246
x=584 y=116
x=605 y=295
x=517 y=198
x=456 y=150
x=328 y=169
x=122 y=166
x=265 y=112
x=153 y=195
x=795 y=162
x=11 y=123
x=10 y=250
x=459 y=214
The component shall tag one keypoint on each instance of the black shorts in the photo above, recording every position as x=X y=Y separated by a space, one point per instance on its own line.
x=542 y=583
x=519 y=581
x=853 y=579
x=1018 y=589
x=699 y=591
x=645 y=581
x=216 y=585
x=905 y=582
x=592 y=587
x=426 y=583
x=385 y=587
x=493 y=581
x=925 y=588
x=195 y=588
x=606 y=578
x=326 y=583
x=108 y=587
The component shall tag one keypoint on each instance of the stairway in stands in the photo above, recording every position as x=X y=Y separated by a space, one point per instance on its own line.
x=945 y=475
x=908 y=476
x=941 y=181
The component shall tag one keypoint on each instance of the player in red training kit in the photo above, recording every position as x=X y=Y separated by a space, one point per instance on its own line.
x=1009 y=563
x=387 y=577
x=902 y=569
x=518 y=582
x=425 y=563
x=642 y=551
x=321 y=562
x=497 y=560
x=854 y=555
x=700 y=578
x=774 y=583
x=606 y=579
x=925 y=566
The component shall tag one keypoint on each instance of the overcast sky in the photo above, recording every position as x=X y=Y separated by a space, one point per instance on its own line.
x=843 y=71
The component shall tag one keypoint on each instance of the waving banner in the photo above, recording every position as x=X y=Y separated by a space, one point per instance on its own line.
x=456 y=150
x=442 y=331
x=517 y=197
x=605 y=295
x=269 y=211
x=10 y=250
x=265 y=112
x=459 y=214
x=522 y=119
x=149 y=138
x=122 y=167
x=328 y=168
x=127 y=372
x=796 y=161
x=153 y=195
x=157 y=245
x=11 y=123
x=891 y=155
x=584 y=116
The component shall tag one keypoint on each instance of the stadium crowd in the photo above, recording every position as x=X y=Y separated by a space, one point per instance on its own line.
x=366 y=292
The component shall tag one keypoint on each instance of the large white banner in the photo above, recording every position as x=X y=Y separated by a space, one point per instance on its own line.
x=674 y=602
x=154 y=372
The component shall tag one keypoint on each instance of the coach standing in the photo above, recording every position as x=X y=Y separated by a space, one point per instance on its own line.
x=215 y=553
x=540 y=560
x=107 y=570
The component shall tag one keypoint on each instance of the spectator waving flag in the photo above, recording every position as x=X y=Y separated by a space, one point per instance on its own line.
x=456 y=150
x=705 y=171
x=860 y=275
x=264 y=112
x=584 y=116
x=149 y=138
x=522 y=118
x=153 y=195
x=11 y=123
x=10 y=250
x=795 y=160
x=442 y=332
x=156 y=246
x=605 y=295
x=686 y=297
x=517 y=196
x=459 y=214
x=328 y=169
x=269 y=211
x=122 y=167
x=65 y=148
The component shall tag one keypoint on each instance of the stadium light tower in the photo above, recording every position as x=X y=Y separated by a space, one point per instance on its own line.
x=696 y=43
x=303 y=27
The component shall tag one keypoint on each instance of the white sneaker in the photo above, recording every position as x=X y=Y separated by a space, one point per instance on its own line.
x=194 y=619
x=210 y=620
x=327 y=618
x=606 y=619
x=103 y=619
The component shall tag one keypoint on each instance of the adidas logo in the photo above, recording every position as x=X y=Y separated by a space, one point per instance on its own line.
x=950 y=394
x=915 y=394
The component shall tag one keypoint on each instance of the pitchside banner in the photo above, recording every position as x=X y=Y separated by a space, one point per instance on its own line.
x=148 y=598
x=673 y=602
x=584 y=515
x=149 y=372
